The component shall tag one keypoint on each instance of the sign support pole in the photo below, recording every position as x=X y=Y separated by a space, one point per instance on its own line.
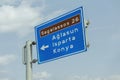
x=27 y=59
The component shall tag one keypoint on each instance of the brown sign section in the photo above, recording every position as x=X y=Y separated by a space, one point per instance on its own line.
x=61 y=25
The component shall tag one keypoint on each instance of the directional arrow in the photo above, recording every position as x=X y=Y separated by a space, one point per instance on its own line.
x=44 y=47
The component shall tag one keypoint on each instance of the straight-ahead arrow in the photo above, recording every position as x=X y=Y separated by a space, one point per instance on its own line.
x=44 y=47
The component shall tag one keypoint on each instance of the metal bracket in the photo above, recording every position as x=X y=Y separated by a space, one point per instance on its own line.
x=24 y=55
x=24 y=61
x=34 y=61
x=87 y=23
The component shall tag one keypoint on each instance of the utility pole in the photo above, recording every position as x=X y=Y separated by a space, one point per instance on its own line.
x=27 y=59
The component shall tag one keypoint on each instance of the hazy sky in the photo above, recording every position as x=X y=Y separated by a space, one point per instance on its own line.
x=101 y=61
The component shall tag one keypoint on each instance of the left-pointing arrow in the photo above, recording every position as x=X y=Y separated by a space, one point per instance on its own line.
x=44 y=47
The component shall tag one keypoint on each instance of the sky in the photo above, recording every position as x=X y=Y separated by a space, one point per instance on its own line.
x=101 y=61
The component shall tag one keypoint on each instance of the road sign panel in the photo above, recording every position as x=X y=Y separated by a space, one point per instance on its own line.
x=61 y=36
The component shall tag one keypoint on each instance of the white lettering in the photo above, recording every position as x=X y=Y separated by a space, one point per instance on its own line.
x=66 y=48
x=53 y=38
x=63 y=49
x=64 y=41
x=63 y=34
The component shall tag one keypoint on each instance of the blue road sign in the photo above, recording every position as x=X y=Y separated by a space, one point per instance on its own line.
x=61 y=36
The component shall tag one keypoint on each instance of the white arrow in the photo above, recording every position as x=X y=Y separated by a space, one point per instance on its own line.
x=44 y=47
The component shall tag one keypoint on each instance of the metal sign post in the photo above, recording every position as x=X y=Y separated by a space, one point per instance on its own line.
x=27 y=59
